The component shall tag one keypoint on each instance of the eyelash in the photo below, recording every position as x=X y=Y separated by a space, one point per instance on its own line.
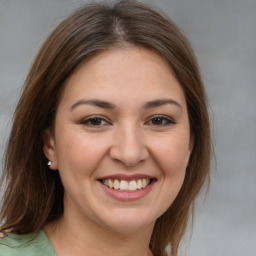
x=88 y=122
x=167 y=120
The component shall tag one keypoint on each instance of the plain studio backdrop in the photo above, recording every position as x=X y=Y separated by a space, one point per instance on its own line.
x=223 y=34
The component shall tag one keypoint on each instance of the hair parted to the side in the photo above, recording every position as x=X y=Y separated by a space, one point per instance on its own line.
x=34 y=194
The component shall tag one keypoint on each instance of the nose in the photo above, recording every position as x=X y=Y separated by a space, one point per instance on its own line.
x=128 y=146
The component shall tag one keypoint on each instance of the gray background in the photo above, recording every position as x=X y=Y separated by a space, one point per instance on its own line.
x=223 y=34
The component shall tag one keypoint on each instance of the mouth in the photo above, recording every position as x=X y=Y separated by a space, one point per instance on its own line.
x=125 y=185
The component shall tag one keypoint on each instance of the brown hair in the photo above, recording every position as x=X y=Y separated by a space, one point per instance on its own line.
x=33 y=194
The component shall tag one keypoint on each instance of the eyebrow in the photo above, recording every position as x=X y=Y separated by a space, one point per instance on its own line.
x=94 y=102
x=160 y=102
x=108 y=105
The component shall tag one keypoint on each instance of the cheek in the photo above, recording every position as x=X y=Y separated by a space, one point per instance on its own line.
x=78 y=155
x=171 y=157
x=173 y=154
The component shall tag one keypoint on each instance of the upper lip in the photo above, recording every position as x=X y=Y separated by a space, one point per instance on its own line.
x=127 y=177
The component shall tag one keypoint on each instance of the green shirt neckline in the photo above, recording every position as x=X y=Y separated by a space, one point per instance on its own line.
x=35 y=244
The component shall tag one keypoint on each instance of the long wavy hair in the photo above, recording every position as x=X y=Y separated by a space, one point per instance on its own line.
x=34 y=195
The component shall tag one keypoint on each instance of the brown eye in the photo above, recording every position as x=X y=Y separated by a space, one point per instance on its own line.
x=94 y=122
x=160 y=121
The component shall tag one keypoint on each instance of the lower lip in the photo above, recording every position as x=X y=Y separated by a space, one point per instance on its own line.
x=127 y=196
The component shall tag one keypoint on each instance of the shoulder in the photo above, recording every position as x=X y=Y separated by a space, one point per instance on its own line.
x=36 y=244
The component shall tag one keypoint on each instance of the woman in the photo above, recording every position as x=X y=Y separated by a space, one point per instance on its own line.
x=110 y=143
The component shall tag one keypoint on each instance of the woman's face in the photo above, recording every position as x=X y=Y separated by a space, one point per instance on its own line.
x=121 y=141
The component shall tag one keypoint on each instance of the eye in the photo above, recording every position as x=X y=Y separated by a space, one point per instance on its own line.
x=160 y=121
x=95 y=122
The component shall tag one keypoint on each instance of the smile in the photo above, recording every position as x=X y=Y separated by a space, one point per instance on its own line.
x=126 y=186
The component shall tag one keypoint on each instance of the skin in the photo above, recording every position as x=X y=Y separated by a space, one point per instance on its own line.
x=133 y=137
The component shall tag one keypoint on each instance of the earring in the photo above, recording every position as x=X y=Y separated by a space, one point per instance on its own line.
x=49 y=163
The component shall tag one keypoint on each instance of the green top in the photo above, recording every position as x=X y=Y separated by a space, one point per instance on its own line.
x=36 y=244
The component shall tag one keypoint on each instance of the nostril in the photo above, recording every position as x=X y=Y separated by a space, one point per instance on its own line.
x=128 y=154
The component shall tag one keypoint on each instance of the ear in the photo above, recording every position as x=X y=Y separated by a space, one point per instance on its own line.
x=50 y=149
x=190 y=148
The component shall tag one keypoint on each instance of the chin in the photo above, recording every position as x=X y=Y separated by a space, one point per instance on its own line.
x=128 y=221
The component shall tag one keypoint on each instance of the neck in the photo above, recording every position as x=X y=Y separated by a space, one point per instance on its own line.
x=71 y=236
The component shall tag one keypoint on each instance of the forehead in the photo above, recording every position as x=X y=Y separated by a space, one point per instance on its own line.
x=123 y=74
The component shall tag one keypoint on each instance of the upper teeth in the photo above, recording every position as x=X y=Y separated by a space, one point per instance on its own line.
x=124 y=185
